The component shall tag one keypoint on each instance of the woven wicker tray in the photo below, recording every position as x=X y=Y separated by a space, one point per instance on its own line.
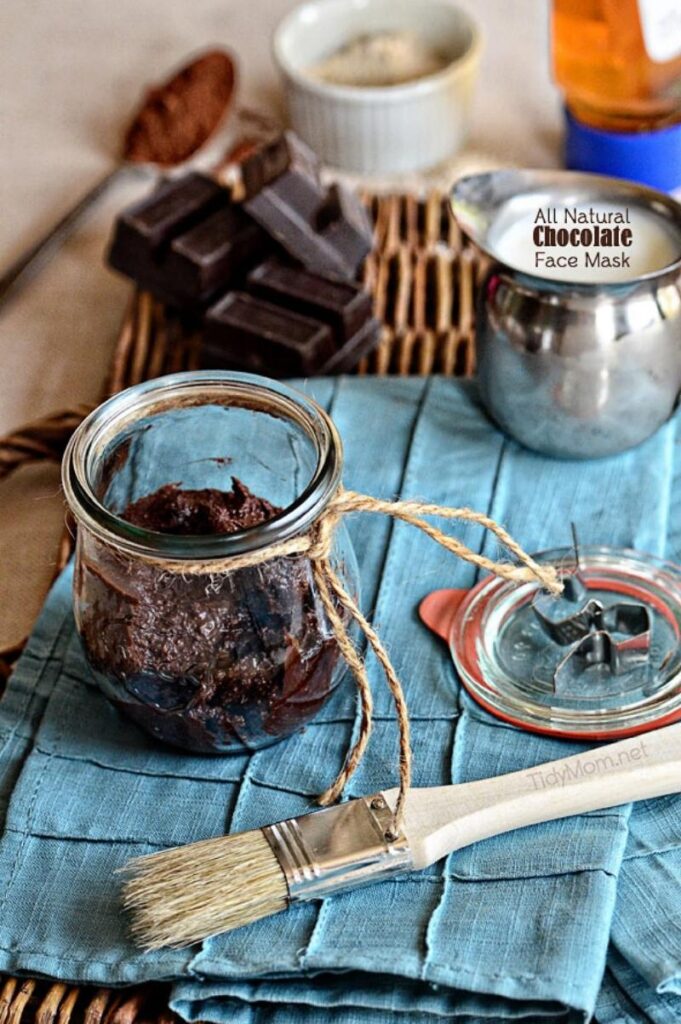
x=423 y=280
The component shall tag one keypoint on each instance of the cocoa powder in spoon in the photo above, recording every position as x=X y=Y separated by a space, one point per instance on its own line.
x=177 y=117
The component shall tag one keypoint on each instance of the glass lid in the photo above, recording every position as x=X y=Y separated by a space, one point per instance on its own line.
x=603 y=660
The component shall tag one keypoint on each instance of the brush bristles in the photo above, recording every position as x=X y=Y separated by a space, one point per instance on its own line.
x=184 y=895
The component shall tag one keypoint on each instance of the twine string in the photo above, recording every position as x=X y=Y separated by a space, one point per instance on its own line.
x=317 y=544
x=356 y=752
x=327 y=580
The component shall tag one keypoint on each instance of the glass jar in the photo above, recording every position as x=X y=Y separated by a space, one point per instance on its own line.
x=619 y=62
x=209 y=661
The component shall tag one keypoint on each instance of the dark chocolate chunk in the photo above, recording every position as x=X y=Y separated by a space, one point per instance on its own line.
x=275 y=156
x=344 y=222
x=263 y=163
x=214 y=253
x=149 y=276
x=144 y=229
x=300 y=184
x=162 y=692
x=247 y=332
x=344 y=305
x=360 y=345
x=303 y=193
x=187 y=242
x=275 y=208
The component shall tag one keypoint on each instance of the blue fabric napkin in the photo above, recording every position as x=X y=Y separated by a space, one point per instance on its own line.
x=546 y=924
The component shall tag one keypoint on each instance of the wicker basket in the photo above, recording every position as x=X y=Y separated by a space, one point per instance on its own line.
x=423 y=279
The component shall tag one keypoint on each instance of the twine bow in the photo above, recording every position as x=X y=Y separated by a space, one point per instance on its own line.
x=317 y=545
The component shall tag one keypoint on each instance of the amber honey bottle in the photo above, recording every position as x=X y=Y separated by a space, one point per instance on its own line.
x=618 y=63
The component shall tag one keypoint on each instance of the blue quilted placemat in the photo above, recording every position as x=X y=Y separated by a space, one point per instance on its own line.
x=548 y=923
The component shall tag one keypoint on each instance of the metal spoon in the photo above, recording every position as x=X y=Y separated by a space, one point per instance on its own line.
x=30 y=262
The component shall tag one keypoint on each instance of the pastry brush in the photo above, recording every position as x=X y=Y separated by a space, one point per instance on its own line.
x=183 y=895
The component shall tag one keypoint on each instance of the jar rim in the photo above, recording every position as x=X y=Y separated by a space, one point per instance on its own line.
x=195 y=388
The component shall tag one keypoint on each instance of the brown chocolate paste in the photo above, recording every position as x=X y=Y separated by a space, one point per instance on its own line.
x=172 y=510
x=208 y=665
x=179 y=116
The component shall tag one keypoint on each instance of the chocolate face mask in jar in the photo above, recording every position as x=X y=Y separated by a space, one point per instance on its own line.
x=171 y=482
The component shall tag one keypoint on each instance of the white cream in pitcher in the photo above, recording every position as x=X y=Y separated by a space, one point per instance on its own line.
x=582 y=242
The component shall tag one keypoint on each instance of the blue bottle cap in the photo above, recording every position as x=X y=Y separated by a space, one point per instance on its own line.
x=651 y=158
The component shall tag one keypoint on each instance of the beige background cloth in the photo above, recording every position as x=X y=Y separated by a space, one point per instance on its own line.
x=71 y=71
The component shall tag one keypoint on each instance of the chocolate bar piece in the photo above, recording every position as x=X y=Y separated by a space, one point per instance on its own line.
x=300 y=184
x=358 y=346
x=252 y=334
x=275 y=156
x=175 y=206
x=213 y=254
x=243 y=332
x=343 y=305
x=344 y=222
x=278 y=211
x=187 y=242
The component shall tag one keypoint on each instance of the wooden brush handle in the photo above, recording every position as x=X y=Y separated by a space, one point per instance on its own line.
x=442 y=819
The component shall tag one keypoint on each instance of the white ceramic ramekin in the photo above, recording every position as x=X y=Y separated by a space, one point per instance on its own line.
x=385 y=129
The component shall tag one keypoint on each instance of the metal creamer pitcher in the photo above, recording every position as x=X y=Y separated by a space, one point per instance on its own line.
x=575 y=368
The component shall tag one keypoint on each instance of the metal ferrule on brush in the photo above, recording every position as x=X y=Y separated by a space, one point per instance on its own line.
x=338 y=848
